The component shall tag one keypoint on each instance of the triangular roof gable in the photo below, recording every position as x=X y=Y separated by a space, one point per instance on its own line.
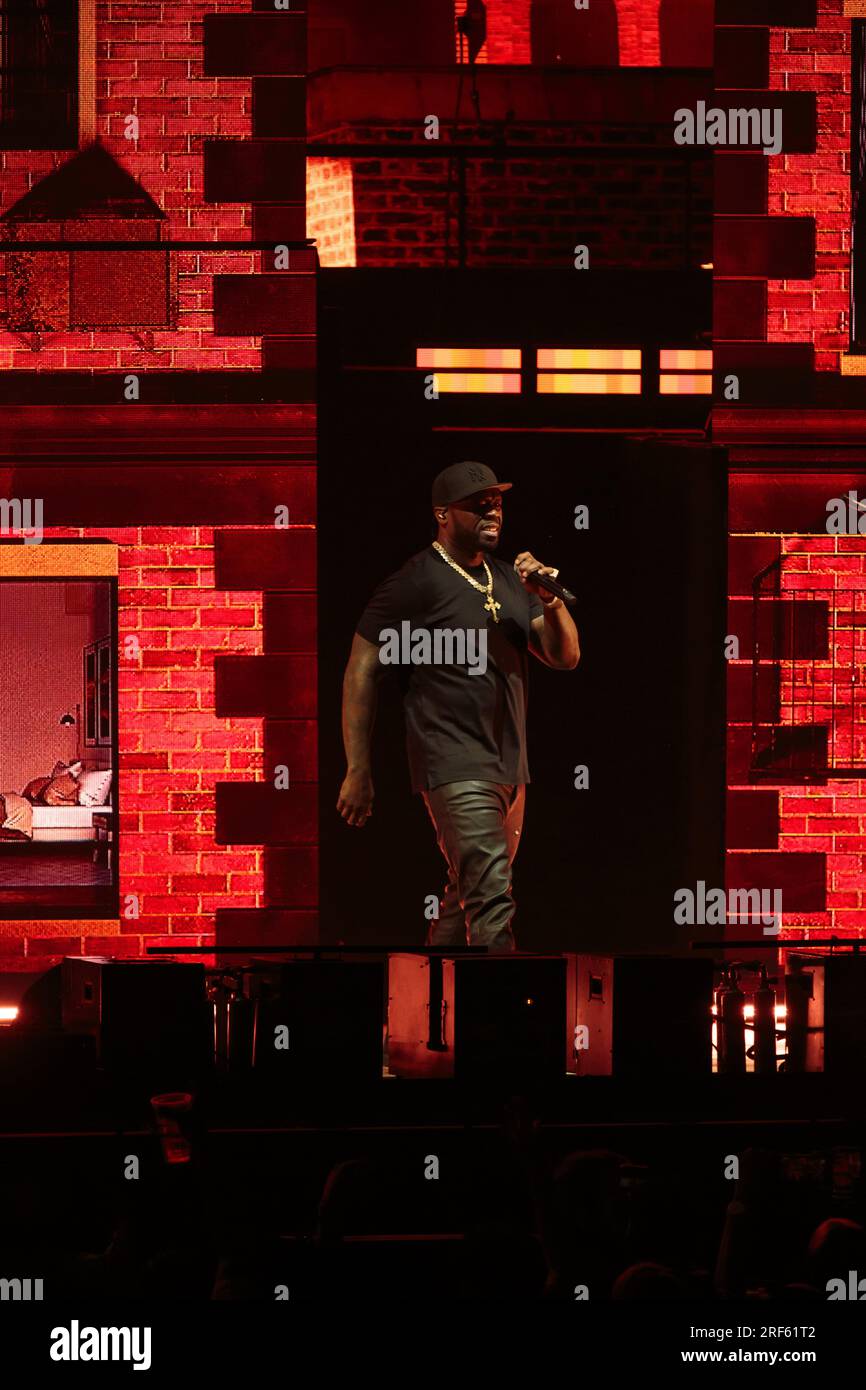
x=92 y=184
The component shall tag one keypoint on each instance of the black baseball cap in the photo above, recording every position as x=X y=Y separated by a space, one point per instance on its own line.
x=463 y=480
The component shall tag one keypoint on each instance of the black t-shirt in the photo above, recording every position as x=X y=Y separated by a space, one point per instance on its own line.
x=462 y=721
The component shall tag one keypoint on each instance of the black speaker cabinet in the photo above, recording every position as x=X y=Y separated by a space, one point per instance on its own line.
x=662 y=1016
x=835 y=1009
x=149 y=1018
x=478 y=1018
x=319 y=1020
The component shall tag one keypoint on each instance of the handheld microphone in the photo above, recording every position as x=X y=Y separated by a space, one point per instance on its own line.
x=550 y=586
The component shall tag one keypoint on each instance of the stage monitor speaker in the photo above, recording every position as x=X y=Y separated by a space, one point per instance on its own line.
x=150 y=1019
x=319 y=1020
x=478 y=1019
x=662 y=1017
x=835 y=1012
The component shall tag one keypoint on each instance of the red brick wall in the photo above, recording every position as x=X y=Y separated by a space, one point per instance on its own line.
x=331 y=210
x=172 y=751
x=638 y=22
x=820 y=819
x=508 y=31
x=519 y=213
x=830 y=818
x=149 y=63
x=816 y=60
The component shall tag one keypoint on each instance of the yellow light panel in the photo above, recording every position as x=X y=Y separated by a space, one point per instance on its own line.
x=587 y=384
x=686 y=384
x=478 y=383
x=678 y=360
x=489 y=358
x=589 y=359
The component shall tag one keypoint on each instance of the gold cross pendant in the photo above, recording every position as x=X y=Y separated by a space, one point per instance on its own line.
x=491 y=606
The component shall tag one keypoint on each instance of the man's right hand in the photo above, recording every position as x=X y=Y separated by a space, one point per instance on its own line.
x=355 y=802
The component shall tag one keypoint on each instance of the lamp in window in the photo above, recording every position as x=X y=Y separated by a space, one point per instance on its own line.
x=73 y=721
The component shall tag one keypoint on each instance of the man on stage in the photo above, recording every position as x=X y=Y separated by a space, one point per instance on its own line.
x=465 y=723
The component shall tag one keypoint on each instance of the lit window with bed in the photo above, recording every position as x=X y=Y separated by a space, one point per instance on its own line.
x=58 y=802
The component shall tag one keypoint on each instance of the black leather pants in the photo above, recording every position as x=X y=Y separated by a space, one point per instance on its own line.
x=478 y=827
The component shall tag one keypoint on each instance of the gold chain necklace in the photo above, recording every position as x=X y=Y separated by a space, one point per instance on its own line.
x=490 y=606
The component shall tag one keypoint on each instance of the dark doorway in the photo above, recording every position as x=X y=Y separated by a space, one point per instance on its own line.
x=644 y=711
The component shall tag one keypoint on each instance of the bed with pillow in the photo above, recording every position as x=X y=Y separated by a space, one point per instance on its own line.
x=59 y=807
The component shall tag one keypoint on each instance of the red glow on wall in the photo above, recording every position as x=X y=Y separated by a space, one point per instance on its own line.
x=819 y=820
x=638 y=33
x=172 y=748
x=508 y=32
x=831 y=818
x=150 y=64
x=331 y=210
x=816 y=185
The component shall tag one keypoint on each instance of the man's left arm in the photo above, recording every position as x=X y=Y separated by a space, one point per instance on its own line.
x=552 y=635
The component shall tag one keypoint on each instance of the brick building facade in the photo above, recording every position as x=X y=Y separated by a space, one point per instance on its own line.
x=796 y=730
x=783 y=328
x=607 y=169
x=192 y=128
x=160 y=403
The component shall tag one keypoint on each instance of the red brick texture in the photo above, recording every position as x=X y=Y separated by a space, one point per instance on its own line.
x=173 y=749
x=632 y=211
x=828 y=819
x=331 y=210
x=817 y=185
x=638 y=23
x=508 y=31
x=149 y=63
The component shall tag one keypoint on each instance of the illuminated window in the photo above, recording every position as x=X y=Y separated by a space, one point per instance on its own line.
x=685 y=372
x=464 y=370
x=58 y=724
x=589 y=371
